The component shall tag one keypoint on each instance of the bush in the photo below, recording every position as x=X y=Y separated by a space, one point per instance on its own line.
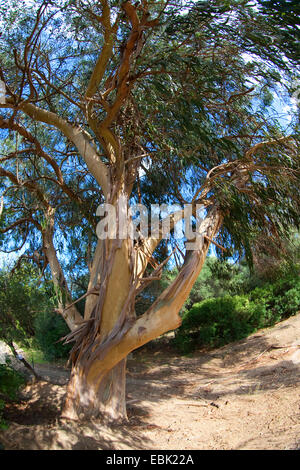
x=214 y=322
x=21 y=297
x=218 y=321
x=49 y=329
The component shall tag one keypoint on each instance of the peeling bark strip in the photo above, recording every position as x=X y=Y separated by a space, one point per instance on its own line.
x=110 y=319
x=98 y=358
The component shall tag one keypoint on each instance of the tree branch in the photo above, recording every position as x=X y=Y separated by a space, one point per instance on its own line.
x=75 y=134
x=162 y=316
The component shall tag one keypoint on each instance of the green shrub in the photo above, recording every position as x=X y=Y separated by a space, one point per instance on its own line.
x=218 y=321
x=49 y=329
x=21 y=297
x=214 y=322
x=288 y=303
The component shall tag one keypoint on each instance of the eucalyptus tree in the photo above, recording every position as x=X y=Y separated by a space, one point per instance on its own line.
x=153 y=103
x=284 y=17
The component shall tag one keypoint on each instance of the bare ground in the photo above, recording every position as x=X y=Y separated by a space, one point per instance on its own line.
x=243 y=396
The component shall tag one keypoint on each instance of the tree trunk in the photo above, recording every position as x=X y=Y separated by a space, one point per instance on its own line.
x=23 y=360
x=103 y=396
x=107 y=316
x=71 y=315
x=111 y=331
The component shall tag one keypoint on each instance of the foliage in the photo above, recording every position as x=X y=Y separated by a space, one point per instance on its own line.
x=284 y=16
x=27 y=314
x=218 y=278
x=10 y=382
x=189 y=112
x=218 y=321
x=21 y=298
x=49 y=329
x=274 y=262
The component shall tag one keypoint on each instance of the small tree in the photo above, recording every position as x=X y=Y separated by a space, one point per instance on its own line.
x=20 y=301
x=162 y=102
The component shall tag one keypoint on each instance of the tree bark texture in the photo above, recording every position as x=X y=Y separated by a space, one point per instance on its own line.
x=110 y=330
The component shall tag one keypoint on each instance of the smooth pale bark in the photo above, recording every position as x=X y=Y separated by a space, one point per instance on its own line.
x=95 y=270
x=77 y=136
x=71 y=314
x=97 y=385
x=105 y=396
x=110 y=397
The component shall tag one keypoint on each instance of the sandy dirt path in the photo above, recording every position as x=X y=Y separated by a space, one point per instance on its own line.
x=243 y=396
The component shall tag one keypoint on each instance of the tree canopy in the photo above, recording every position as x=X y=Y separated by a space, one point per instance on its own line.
x=200 y=83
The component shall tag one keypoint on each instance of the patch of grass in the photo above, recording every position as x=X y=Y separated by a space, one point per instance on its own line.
x=34 y=355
